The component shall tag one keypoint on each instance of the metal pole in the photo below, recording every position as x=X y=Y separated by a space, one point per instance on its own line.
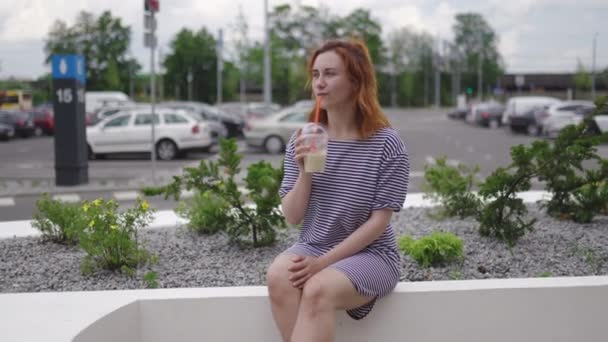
x=593 y=68
x=161 y=83
x=220 y=66
x=437 y=62
x=267 y=71
x=480 y=69
x=189 y=78
x=153 y=98
x=131 y=90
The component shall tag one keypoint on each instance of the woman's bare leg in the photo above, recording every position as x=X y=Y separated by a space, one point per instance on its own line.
x=284 y=298
x=323 y=294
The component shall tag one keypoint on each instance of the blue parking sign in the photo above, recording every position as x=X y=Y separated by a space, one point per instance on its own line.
x=69 y=67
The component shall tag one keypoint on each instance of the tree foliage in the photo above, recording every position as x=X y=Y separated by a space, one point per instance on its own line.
x=103 y=41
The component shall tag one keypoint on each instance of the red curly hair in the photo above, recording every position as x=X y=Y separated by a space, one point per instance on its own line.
x=355 y=56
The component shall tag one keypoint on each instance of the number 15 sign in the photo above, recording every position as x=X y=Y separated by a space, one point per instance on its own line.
x=69 y=78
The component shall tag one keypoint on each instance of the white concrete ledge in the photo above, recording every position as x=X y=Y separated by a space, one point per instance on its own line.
x=497 y=310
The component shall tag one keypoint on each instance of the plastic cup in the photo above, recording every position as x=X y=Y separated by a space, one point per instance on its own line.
x=316 y=139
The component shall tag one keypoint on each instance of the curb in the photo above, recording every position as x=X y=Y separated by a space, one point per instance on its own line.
x=168 y=218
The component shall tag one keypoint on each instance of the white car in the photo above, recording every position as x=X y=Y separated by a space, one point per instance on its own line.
x=560 y=115
x=600 y=120
x=517 y=107
x=131 y=131
x=273 y=132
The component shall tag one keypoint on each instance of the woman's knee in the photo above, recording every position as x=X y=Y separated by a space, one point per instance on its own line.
x=317 y=294
x=277 y=278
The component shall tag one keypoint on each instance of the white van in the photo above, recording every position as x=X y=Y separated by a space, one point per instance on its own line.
x=97 y=99
x=517 y=106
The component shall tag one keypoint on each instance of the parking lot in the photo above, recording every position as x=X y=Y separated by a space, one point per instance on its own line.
x=27 y=165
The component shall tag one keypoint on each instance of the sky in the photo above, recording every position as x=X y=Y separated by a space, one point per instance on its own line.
x=534 y=35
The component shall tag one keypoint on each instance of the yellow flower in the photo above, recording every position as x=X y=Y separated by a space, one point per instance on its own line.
x=85 y=207
x=145 y=205
x=92 y=223
x=113 y=227
x=97 y=202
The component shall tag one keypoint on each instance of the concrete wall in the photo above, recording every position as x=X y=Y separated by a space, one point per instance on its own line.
x=538 y=310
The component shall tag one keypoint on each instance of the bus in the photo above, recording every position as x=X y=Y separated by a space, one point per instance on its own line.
x=15 y=99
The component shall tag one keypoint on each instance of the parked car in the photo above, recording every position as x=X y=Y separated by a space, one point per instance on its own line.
x=22 y=122
x=459 y=114
x=233 y=124
x=234 y=108
x=44 y=121
x=130 y=131
x=7 y=131
x=561 y=115
x=598 y=125
x=273 y=133
x=109 y=110
x=97 y=99
x=529 y=121
x=516 y=108
x=487 y=114
x=261 y=110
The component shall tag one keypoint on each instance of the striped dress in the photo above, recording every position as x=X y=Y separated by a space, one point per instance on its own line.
x=360 y=176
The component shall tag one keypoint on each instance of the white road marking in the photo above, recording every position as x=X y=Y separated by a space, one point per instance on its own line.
x=187 y=194
x=71 y=198
x=126 y=195
x=7 y=202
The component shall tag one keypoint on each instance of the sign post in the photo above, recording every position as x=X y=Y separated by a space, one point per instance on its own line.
x=150 y=8
x=71 y=150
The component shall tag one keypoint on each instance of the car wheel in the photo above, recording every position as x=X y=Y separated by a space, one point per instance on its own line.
x=166 y=150
x=274 y=144
x=532 y=129
x=38 y=131
x=593 y=129
x=90 y=153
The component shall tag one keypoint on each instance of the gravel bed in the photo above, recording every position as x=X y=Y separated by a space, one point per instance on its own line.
x=554 y=248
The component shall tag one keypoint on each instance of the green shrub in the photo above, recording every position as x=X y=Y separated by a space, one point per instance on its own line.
x=58 y=221
x=110 y=238
x=207 y=213
x=451 y=186
x=244 y=224
x=434 y=249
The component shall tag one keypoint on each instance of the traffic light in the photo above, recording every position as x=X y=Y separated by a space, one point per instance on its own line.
x=151 y=5
x=469 y=90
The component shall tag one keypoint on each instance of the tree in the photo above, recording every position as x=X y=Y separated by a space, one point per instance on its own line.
x=409 y=58
x=582 y=79
x=196 y=53
x=474 y=37
x=103 y=41
x=241 y=44
x=359 y=24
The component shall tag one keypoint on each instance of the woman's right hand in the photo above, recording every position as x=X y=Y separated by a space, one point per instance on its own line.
x=300 y=150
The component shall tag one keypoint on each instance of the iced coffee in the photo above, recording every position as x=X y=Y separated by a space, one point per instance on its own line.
x=316 y=138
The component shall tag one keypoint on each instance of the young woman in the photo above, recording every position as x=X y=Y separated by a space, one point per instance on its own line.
x=346 y=256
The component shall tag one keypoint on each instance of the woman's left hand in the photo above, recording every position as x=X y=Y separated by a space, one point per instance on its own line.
x=302 y=269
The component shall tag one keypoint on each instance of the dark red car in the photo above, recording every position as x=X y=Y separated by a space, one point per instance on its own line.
x=44 y=121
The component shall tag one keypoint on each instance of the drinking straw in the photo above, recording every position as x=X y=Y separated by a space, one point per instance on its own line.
x=317 y=111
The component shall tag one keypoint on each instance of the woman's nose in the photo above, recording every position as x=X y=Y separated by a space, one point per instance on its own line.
x=320 y=82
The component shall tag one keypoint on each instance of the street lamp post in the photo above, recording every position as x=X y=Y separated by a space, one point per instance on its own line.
x=150 y=8
x=593 y=68
x=267 y=71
